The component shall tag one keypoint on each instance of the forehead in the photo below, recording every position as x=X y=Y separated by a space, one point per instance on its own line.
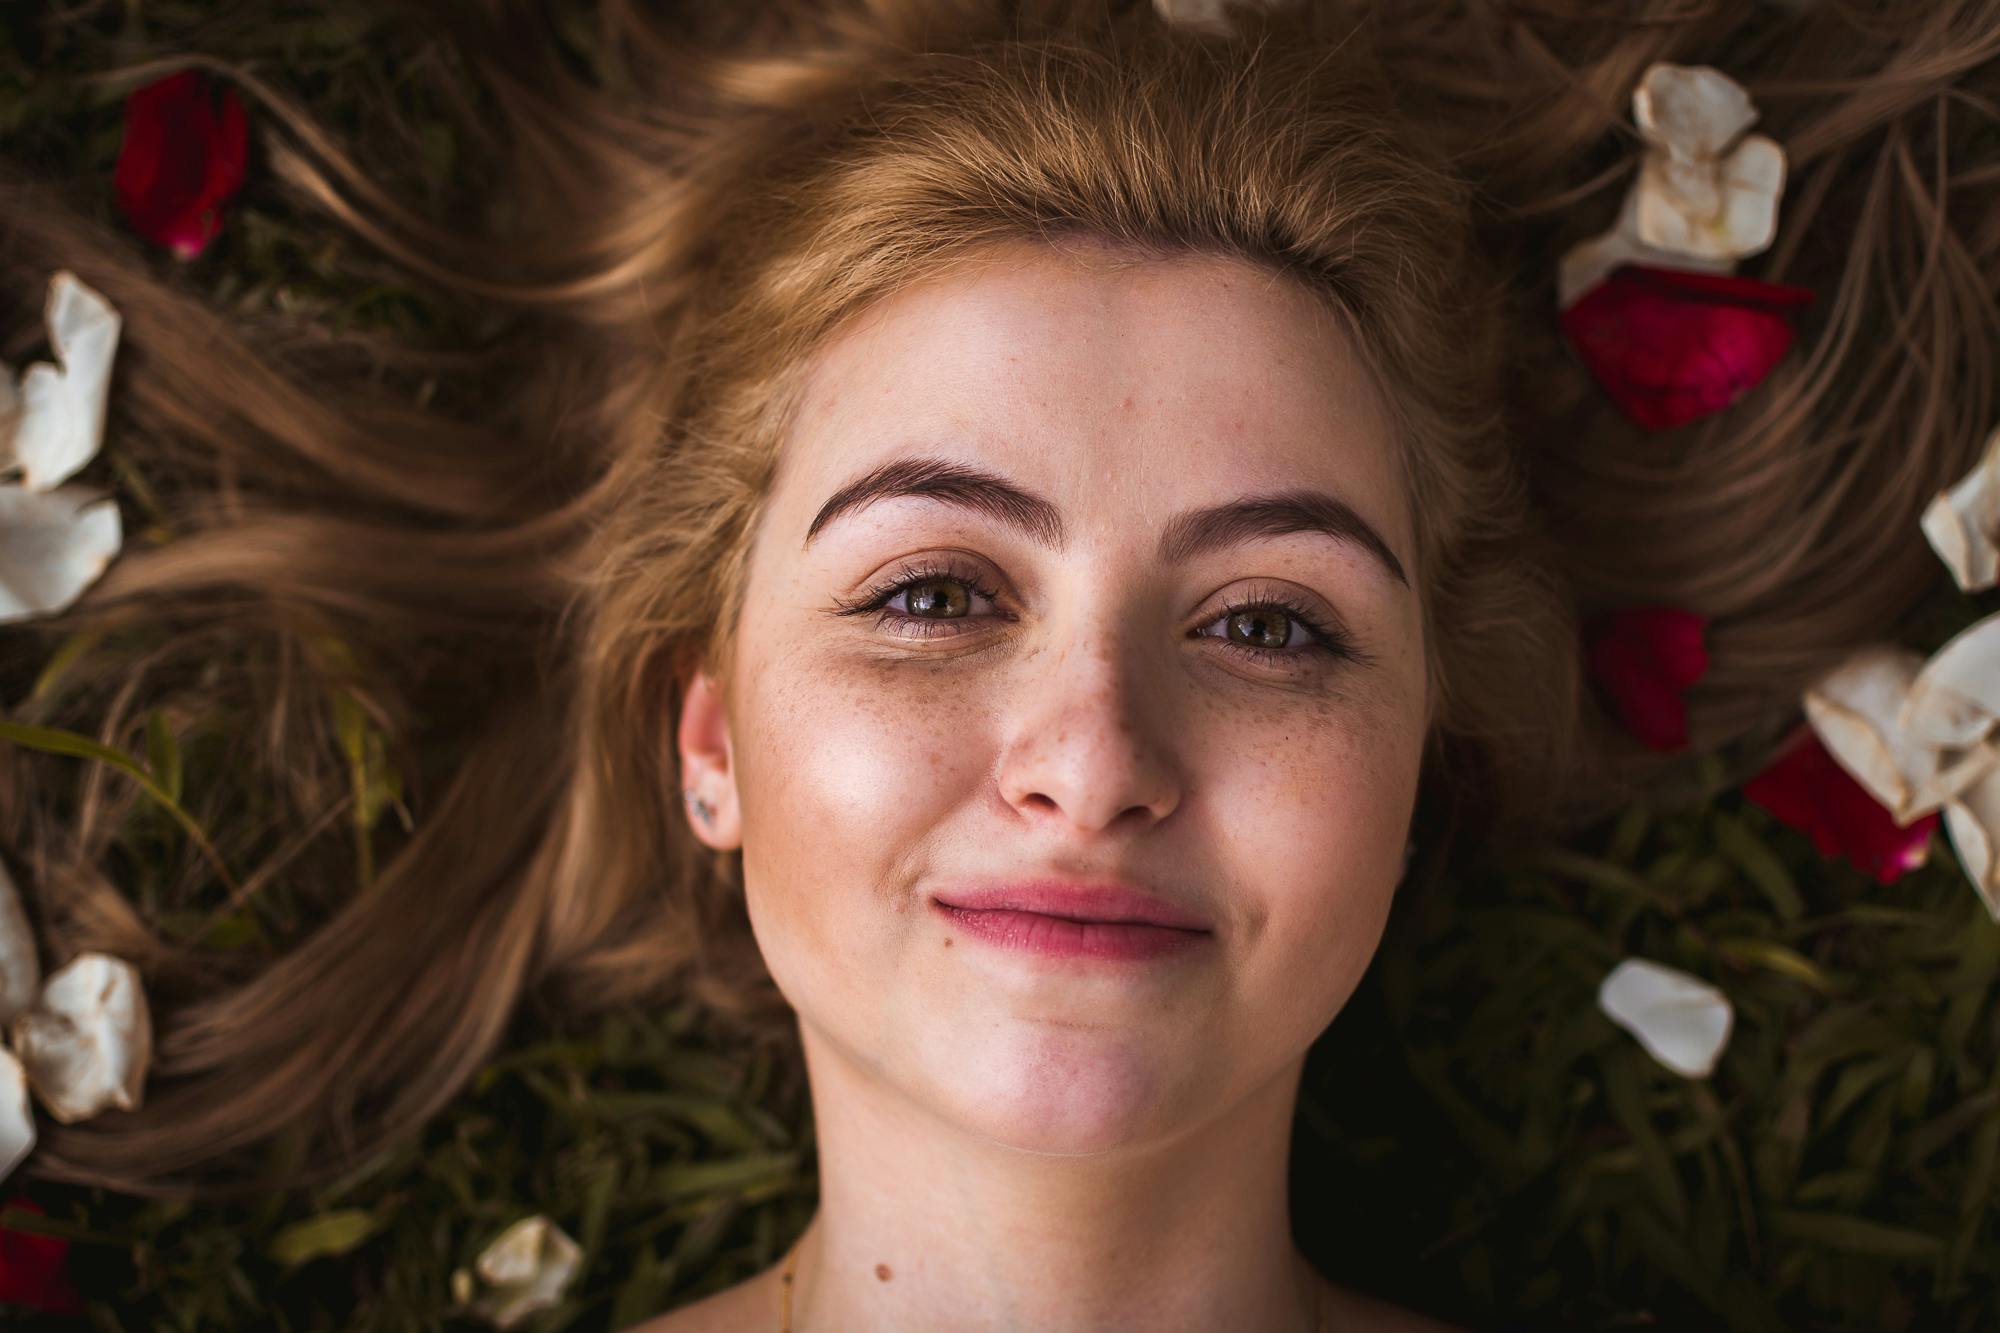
x=1112 y=385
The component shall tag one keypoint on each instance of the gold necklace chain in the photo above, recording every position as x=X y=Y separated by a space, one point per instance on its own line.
x=791 y=1261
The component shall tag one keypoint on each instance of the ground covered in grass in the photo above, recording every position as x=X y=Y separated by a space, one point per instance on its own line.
x=1477 y=1137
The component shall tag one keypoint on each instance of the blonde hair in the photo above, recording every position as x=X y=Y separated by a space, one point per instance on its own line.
x=510 y=575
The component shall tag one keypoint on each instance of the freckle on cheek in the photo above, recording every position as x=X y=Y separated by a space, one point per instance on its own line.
x=882 y=1272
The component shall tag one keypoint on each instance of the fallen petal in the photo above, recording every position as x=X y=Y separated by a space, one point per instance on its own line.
x=181 y=161
x=1963 y=523
x=1955 y=699
x=1682 y=1020
x=1858 y=709
x=1690 y=111
x=17 y=1117
x=526 y=1269
x=1972 y=822
x=20 y=967
x=60 y=421
x=1671 y=346
x=53 y=545
x=88 y=1040
x=1805 y=788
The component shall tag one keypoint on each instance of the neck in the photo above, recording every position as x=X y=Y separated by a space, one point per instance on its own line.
x=924 y=1225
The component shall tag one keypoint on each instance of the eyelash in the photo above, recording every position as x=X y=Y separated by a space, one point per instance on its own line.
x=1325 y=639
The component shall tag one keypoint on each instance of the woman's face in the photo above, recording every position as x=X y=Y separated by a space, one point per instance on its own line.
x=1065 y=694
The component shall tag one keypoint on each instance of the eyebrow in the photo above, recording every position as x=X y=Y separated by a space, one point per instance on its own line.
x=1189 y=534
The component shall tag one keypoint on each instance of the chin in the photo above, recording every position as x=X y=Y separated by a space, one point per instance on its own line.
x=1067 y=1090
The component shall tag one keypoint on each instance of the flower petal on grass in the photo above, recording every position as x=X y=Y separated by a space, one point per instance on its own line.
x=526 y=1269
x=53 y=545
x=1972 y=822
x=58 y=422
x=1963 y=524
x=88 y=1040
x=1682 y=1020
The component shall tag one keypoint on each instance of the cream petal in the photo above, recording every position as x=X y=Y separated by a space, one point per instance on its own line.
x=20 y=966
x=1954 y=700
x=17 y=1115
x=10 y=415
x=1589 y=262
x=1972 y=822
x=1963 y=523
x=89 y=1038
x=62 y=407
x=1690 y=111
x=1855 y=710
x=1682 y=1020
x=53 y=545
x=1709 y=208
x=526 y=1269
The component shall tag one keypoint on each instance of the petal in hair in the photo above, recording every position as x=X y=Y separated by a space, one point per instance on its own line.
x=53 y=424
x=1860 y=711
x=1702 y=192
x=1672 y=346
x=1963 y=523
x=17 y=1116
x=88 y=1039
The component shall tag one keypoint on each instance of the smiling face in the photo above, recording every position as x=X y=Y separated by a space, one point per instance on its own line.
x=1065 y=691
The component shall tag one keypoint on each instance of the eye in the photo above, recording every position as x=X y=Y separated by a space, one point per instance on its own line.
x=934 y=593
x=1277 y=630
x=1273 y=628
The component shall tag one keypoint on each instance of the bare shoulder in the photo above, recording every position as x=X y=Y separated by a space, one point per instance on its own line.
x=1355 y=1310
x=750 y=1304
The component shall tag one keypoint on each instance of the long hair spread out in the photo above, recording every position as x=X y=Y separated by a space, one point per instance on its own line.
x=506 y=551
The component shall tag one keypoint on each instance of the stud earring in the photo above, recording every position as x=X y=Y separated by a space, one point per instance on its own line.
x=701 y=807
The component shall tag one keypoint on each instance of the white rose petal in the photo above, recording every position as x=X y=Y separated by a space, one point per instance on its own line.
x=1211 y=15
x=1723 y=208
x=88 y=1039
x=1856 y=709
x=525 y=1269
x=17 y=1117
x=1690 y=111
x=1972 y=821
x=1955 y=700
x=60 y=419
x=1681 y=1020
x=20 y=966
x=1963 y=523
x=53 y=545
x=1588 y=263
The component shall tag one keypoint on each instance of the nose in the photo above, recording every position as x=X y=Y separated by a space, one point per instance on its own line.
x=1092 y=736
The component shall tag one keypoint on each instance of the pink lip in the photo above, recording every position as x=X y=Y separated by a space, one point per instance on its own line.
x=1095 y=902
x=1059 y=937
x=1106 y=921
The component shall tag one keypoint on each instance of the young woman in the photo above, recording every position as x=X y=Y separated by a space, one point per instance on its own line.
x=997 y=524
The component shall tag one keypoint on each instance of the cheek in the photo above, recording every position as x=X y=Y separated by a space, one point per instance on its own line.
x=845 y=771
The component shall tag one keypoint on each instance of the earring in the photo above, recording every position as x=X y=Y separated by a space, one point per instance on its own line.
x=701 y=807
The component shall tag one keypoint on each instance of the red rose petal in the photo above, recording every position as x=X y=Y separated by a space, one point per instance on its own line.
x=1645 y=657
x=180 y=161
x=33 y=1269
x=1805 y=788
x=1671 y=346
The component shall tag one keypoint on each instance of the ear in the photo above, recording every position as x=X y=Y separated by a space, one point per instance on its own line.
x=708 y=765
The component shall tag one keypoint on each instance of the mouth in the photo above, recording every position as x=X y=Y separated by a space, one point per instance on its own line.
x=1054 y=936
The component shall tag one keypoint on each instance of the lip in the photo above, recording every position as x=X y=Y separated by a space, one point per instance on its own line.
x=1059 y=937
x=1101 y=902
